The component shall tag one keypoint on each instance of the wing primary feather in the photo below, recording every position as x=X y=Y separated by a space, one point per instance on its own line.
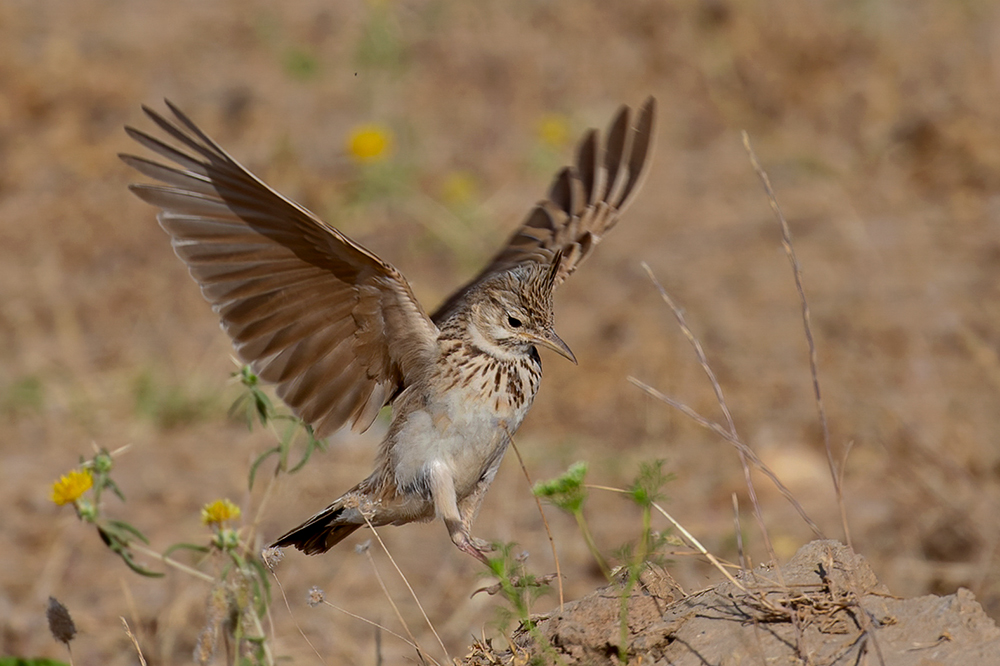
x=166 y=150
x=641 y=144
x=209 y=141
x=583 y=202
x=179 y=135
x=587 y=166
x=285 y=284
x=614 y=149
x=561 y=192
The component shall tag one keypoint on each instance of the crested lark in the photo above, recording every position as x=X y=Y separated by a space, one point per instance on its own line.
x=341 y=334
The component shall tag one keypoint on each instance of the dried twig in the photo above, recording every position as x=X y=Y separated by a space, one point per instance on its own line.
x=735 y=441
x=545 y=522
x=135 y=642
x=408 y=586
x=786 y=243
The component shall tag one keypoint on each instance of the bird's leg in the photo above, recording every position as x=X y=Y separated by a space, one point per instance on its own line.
x=442 y=486
x=468 y=509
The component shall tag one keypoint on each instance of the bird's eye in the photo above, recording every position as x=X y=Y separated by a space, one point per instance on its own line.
x=514 y=322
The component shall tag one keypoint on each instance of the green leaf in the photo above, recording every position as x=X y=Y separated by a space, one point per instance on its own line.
x=186 y=546
x=648 y=484
x=254 y=403
x=260 y=459
x=312 y=444
x=122 y=526
x=108 y=483
x=566 y=491
x=126 y=556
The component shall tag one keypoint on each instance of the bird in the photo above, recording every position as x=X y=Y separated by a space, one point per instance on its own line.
x=339 y=332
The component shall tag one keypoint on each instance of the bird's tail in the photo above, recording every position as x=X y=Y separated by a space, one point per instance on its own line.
x=320 y=533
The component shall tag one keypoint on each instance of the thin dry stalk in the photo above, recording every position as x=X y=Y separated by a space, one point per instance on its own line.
x=379 y=627
x=739 y=532
x=731 y=435
x=786 y=243
x=835 y=474
x=545 y=522
x=395 y=608
x=133 y=610
x=700 y=548
x=288 y=607
x=747 y=451
x=721 y=399
x=408 y=586
x=135 y=643
x=258 y=515
x=694 y=543
x=170 y=562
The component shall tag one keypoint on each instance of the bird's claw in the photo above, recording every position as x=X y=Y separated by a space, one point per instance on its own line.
x=472 y=546
x=482 y=545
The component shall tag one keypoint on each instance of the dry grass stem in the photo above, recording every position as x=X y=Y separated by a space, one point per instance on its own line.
x=738 y=530
x=786 y=243
x=258 y=514
x=695 y=544
x=288 y=607
x=395 y=609
x=721 y=399
x=379 y=627
x=836 y=474
x=408 y=587
x=545 y=522
x=740 y=446
x=170 y=562
x=135 y=642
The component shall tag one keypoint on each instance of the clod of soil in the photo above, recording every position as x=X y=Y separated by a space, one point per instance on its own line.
x=825 y=608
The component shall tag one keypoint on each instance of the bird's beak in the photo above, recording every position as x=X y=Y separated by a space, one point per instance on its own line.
x=555 y=343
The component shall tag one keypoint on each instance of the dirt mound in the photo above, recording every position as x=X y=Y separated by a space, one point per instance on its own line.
x=824 y=607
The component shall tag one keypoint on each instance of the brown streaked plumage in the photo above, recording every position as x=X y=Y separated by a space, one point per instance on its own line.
x=339 y=332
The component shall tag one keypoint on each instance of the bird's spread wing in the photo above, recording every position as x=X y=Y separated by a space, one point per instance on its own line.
x=335 y=327
x=583 y=204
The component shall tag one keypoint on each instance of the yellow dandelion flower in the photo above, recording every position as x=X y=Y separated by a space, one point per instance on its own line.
x=553 y=130
x=458 y=188
x=70 y=487
x=218 y=512
x=369 y=143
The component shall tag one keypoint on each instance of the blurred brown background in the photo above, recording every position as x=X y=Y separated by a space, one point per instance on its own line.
x=879 y=123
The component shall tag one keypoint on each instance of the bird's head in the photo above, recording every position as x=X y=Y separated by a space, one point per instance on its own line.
x=513 y=311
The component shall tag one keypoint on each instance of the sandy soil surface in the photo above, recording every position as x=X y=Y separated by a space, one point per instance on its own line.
x=879 y=124
x=825 y=606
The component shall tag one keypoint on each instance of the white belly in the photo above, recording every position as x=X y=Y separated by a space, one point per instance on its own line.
x=462 y=432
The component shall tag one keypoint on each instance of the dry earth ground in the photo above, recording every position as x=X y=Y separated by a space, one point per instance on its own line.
x=825 y=606
x=879 y=123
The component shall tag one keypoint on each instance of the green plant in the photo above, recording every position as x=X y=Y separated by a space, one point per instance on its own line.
x=569 y=493
x=253 y=405
x=240 y=583
x=645 y=491
x=519 y=588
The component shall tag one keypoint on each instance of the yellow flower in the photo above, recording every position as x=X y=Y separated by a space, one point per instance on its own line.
x=553 y=130
x=218 y=512
x=369 y=143
x=459 y=188
x=70 y=487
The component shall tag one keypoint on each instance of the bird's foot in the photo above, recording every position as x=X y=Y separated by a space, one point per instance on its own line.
x=482 y=545
x=475 y=547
